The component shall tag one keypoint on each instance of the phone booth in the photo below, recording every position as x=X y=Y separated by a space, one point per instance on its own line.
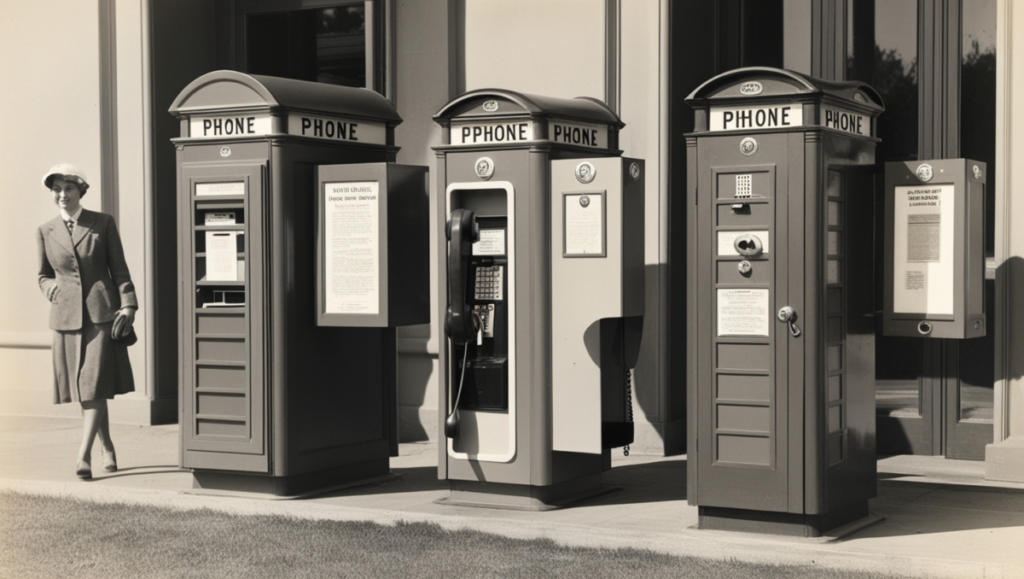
x=541 y=292
x=780 y=304
x=298 y=238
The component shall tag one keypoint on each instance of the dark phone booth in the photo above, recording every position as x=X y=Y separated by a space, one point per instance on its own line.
x=277 y=395
x=781 y=336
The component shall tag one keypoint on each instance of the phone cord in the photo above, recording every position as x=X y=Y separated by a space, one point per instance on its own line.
x=629 y=404
x=462 y=375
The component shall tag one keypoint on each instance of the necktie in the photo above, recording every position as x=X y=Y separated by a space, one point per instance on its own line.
x=71 y=225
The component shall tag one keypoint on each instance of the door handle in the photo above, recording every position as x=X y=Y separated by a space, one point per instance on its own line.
x=788 y=315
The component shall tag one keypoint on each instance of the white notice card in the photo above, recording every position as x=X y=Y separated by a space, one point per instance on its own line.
x=584 y=224
x=222 y=256
x=743 y=312
x=351 y=250
x=923 y=250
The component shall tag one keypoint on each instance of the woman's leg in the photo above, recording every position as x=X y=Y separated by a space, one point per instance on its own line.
x=104 y=430
x=94 y=414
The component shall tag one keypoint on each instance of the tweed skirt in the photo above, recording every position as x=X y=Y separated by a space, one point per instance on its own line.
x=90 y=365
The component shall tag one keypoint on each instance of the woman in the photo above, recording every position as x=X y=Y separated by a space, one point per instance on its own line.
x=83 y=273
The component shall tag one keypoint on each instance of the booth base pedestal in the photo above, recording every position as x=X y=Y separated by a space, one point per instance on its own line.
x=840 y=522
x=525 y=497
x=295 y=485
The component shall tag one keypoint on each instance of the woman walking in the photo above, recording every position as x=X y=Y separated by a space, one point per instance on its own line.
x=82 y=271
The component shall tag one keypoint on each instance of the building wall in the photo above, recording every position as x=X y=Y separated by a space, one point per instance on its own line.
x=534 y=46
x=423 y=84
x=50 y=51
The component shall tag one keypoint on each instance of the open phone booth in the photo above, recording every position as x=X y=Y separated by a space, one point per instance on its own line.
x=780 y=301
x=541 y=294
x=301 y=247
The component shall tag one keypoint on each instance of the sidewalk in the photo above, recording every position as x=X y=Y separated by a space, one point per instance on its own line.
x=942 y=518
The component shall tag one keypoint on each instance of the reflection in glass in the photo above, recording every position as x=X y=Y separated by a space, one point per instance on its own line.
x=882 y=52
x=322 y=44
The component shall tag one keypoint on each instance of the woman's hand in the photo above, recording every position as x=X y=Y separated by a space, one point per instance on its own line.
x=51 y=293
x=123 y=323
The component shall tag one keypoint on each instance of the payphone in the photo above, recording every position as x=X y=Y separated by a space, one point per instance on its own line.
x=542 y=296
x=934 y=249
x=780 y=307
x=301 y=246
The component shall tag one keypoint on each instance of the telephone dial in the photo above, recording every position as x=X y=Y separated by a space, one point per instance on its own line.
x=477 y=317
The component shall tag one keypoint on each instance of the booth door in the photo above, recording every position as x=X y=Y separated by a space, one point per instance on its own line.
x=223 y=393
x=743 y=350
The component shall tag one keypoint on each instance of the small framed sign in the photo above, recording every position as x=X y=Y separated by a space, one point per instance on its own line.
x=585 y=224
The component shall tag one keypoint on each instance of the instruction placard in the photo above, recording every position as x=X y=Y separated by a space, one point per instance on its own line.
x=584 y=224
x=923 y=238
x=351 y=248
x=743 y=312
x=222 y=256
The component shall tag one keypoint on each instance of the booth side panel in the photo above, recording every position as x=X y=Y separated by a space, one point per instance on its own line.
x=850 y=399
x=692 y=329
x=408 y=239
x=440 y=217
x=807 y=263
x=335 y=383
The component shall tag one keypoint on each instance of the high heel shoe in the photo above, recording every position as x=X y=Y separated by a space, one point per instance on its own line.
x=109 y=461
x=84 y=471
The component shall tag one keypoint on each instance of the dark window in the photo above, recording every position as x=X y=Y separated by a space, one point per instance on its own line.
x=326 y=44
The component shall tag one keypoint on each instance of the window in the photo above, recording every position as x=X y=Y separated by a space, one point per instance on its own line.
x=330 y=42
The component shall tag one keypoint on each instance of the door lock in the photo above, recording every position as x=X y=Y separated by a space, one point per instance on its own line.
x=788 y=315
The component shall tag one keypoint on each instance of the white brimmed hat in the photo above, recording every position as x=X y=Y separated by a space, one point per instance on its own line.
x=68 y=172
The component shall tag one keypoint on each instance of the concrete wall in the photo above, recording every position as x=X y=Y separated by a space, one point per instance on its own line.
x=50 y=57
x=1004 y=459
x=422 y=31
x=555 y=49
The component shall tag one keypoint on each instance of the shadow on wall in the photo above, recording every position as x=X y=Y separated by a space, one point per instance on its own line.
x=660 y=401
x=415 y=375
x=1011 y=317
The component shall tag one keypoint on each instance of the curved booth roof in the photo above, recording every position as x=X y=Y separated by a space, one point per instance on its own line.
x=228 y=90
x=474 y=104
x=776 y=82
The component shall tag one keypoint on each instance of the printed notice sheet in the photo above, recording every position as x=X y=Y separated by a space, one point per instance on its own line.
x=222 y=256
x=351 y=250
x=492 y=242
x=743 y=312
x=923 y=249
x=584 y=224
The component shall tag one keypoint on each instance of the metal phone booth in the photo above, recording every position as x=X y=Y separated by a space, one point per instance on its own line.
x=781 y=289
x=541 y=294
x=288 y=376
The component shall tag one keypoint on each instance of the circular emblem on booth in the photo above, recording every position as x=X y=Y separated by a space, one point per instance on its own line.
x=977 y=172
x=491 y=106
x=484 y=168
x=585 y=172
x=748 y=146
x=859 y=97
x=584 y=201
x=634 y=171
x=751 y=88
x=225 y=151
x=924 y=172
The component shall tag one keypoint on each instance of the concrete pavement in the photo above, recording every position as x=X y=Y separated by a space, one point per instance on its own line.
x=942 y=519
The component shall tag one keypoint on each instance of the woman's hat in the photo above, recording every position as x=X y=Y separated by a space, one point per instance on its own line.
x=68 y=172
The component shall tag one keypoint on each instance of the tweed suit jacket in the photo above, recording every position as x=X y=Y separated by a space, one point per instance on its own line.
x=88 y=269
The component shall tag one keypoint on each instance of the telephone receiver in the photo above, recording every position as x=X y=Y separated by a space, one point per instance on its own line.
x=460 y=324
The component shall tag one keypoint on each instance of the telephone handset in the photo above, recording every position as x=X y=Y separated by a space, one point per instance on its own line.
x=462 y=231
x=461 y=322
